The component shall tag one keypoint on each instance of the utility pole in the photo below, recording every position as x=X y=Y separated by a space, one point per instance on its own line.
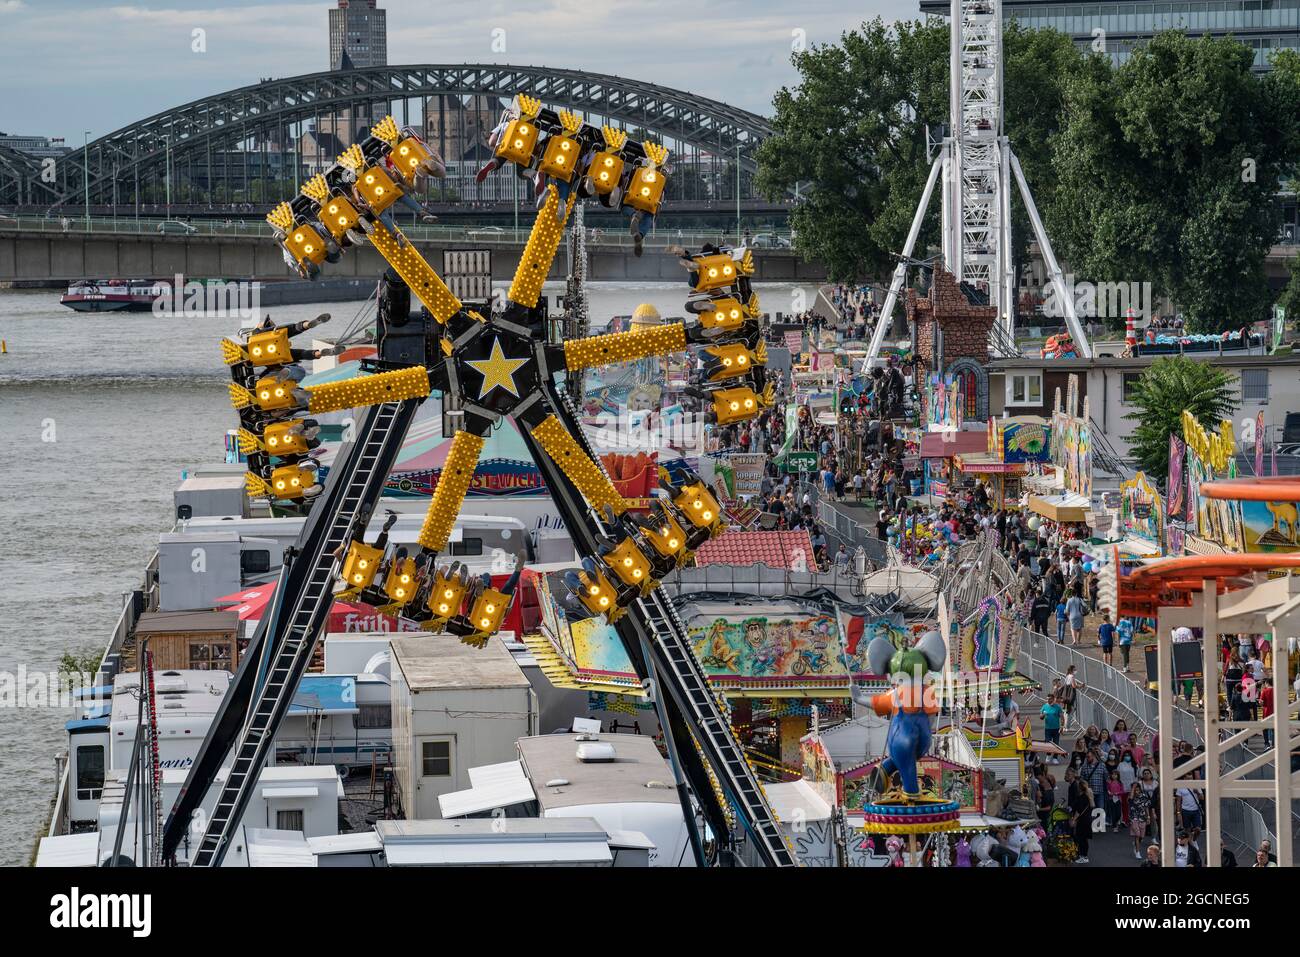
x=737 y=194
x=85 y=175
x=167 y=167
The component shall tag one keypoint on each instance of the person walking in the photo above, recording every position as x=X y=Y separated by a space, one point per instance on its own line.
x=1081 y=806
x=1125 y=631
x=1046 y=803
x=1095 y=772
x=1070 y=695
x=1266 y=708
x=1114 y=801
x=1189 y=809
x=1106 y=637
x=1075 y=610
x=1186 y=854
x=1039 y=610
x=1139 y=816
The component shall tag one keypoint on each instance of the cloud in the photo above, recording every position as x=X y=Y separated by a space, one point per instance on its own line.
x=11 y=6
x=140 y=60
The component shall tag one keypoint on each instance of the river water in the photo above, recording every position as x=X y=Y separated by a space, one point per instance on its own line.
x=99 y=416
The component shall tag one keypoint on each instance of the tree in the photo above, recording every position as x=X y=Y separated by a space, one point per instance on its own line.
x=1289 y=299
x=1168 y=386
x=73 y=665
x=852 y=134
x=1167 y=167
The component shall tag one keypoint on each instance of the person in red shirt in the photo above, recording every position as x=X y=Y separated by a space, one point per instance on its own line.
x=1266 y=708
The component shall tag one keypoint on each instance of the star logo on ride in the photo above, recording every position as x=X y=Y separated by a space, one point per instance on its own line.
x=498 y=371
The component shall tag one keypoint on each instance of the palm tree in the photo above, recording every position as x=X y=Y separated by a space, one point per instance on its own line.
x=1166 y=388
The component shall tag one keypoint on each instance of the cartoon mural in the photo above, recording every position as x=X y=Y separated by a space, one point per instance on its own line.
x=942 y=403
x=1141 y=511
x=980 y=645
x=859 y=630
x=1269 y=526
x=1070 y=441
x=1020 y=440
x=819 y=768
x=590 y=646
x=1210 y=456
x=747 y=647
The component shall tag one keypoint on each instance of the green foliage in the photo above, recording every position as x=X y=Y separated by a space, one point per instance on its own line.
x=1162 y=170
x=1290 y=297
x=1167 y=169
x=1168 y=386
x=73 y=664
x=852 y=134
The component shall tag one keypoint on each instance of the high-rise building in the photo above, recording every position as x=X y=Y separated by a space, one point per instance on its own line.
x=1262 y=25
x=358 y=35
x=358 y=39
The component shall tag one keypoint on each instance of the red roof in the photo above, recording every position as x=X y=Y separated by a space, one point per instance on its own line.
x=944 y=445
x=791 y=550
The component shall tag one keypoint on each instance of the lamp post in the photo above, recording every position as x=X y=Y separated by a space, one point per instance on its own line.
x=85 y=175
x=738 y=194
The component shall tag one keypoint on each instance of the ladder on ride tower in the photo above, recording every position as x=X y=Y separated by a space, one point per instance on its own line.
x=354 y=486
x=676 y=661
x=678 y=668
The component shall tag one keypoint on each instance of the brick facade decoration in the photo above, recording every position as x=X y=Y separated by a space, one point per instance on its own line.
x=965 y=326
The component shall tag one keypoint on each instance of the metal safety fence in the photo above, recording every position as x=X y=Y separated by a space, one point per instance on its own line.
x=1109 y=694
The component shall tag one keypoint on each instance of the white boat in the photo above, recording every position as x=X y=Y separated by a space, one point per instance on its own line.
x=114 y=295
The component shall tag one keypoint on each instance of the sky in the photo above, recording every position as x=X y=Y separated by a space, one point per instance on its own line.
x=71 y=66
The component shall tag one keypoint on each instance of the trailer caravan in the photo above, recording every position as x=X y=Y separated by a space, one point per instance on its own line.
x=343 y=720
x=101 y=740
x=454 y=707
x=302 y=799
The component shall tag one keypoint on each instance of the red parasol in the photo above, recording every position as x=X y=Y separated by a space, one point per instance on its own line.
x=250 y=603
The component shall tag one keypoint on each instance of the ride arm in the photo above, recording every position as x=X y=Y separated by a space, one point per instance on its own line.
x=457 y=474
x=416 y=273
x=539 y=253
x=589 y=478
x=624 y=346
x=410 y=383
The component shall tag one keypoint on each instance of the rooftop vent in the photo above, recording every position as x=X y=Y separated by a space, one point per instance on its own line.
x=592 y=752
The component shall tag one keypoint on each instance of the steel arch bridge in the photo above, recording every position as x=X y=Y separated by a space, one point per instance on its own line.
x=145 y=150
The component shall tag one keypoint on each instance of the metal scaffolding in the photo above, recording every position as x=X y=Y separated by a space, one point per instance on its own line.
x=978 y=165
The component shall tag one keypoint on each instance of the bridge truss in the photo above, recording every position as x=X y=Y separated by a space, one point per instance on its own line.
x=246 y=145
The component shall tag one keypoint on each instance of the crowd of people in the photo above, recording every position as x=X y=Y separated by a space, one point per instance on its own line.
x=1117 y=770
x=1108 y=777
x=854 y=306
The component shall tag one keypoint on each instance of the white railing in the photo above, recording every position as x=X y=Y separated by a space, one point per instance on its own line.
x=417 y=232
x=110 y=664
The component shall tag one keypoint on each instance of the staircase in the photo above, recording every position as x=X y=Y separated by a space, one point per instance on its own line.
x=676 y=661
